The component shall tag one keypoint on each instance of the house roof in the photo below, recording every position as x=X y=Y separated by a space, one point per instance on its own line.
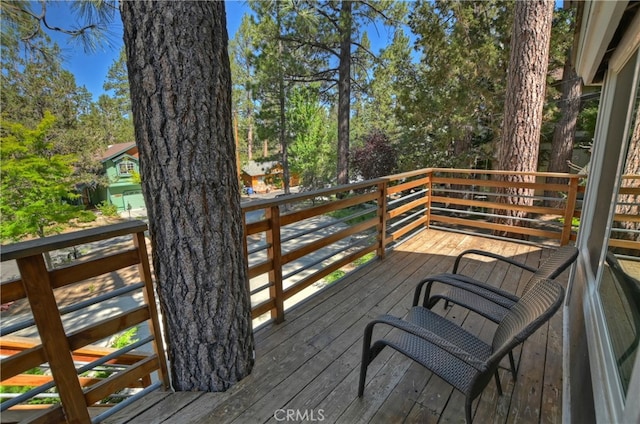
x=117 y=149
x=254 y=168
x=602 y=29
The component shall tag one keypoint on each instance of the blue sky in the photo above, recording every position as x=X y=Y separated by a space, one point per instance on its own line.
x=90 y=69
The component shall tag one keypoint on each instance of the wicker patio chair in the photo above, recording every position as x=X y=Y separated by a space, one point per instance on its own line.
x=485 y=299
x=452 y=353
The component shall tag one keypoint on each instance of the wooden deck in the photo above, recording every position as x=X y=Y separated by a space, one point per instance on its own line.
x=308 y=367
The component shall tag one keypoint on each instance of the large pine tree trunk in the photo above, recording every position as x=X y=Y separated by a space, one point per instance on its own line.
x=344 y=93
x=250 y=122
x=565 y=130
x=524 y=100
x=181 y=96
x=282 y=97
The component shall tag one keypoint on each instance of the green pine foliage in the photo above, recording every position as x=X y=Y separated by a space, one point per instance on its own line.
x=452 y=100
x=312 y=151
x=38 y=189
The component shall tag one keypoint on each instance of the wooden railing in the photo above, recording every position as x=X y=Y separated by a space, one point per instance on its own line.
x=627 y=217
x=472 y=199
x=292 y=235
x=56 y=327
x=295 y=244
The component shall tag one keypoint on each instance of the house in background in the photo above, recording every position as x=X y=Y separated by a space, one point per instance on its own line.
x=263 y=177
x=121 y=163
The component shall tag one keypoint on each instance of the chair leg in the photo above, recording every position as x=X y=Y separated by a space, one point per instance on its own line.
x=467 y=409
x=498 y=383
x=363 y=377
x=367 y=356
x=514 y=371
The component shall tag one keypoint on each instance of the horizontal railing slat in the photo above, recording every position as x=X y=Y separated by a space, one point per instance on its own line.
x=108 y=327
x=407 y=207
x=61 y=241
x=261 y=268
x=624 y=244
x=326 y=241
x=499 y=227
x=20 y=362
x=496 y=205
x=408 y=185
x=395 y=235
x=309 y=280
x=326 y=208
x=121 y=379
x=84 y=270
x=11 y=291
x=263 y=308
x=501 y=184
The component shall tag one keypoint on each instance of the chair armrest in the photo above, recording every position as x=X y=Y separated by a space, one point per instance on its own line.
x=461 y=281
x=456 y=264
x=427 y=336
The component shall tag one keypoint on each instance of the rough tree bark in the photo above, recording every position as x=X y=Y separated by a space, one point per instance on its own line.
x=344 y=92
x=565 y=130
x=181 y=96
x=524 y=100
x=250 y=122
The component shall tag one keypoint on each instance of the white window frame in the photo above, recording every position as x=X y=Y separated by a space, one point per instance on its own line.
x=613 y=131
x=131 y=167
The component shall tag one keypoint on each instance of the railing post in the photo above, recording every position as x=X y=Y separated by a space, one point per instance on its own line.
x=46 y=315
x=245 y=249
x=382 y=216
x=569 y=212
x=274 y=252
x=145 y=273
x=429 y=191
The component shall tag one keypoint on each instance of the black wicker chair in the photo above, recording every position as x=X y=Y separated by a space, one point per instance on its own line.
x=485 y=299
x=458 y=357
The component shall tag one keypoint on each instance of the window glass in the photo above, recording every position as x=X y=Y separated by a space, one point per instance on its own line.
x=620 y=286
x=125 y=168
x=620 y=295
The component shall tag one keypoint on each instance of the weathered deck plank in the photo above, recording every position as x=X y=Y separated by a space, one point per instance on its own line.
x=311 y=363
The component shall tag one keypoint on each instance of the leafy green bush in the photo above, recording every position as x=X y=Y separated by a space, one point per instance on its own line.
x=126 y=338
x=108 y=209
x=86 y=216
x=343 y=213
x=364 y=259
x=334 y=276
x=24 y=389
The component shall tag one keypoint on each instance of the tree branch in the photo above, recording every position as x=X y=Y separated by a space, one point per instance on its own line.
x=316 y=44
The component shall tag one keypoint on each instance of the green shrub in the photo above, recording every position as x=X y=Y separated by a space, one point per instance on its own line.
x=364 y=259
x=24 y=389
x=334 y=276
x=126 y=338
x=86 y=216
x=343 y=213
x=108 y=209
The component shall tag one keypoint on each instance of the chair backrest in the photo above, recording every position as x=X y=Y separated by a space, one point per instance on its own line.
x=554 y=265
x=557 y=262
x=533 y=309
